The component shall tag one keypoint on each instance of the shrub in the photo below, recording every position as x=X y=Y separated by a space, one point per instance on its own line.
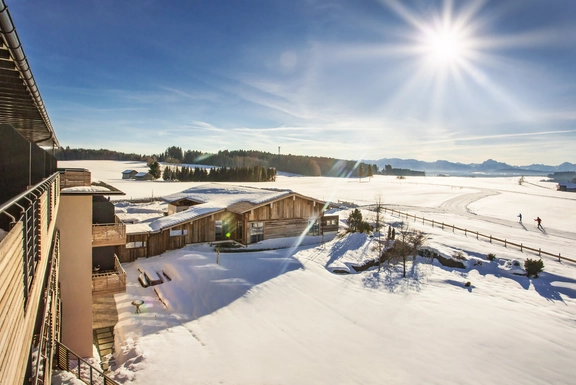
x=400 y=177
x=491 y=257
x=459 y=256
x=468 y=284
x=533 y=267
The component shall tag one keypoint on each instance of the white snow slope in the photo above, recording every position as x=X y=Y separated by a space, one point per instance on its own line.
x=281 y=316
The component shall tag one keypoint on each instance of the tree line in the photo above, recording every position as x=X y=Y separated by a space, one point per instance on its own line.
x=68 y=153
x=219 y=174
x=295 y=164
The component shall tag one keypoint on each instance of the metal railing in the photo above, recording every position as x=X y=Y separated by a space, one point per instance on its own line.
x=65 y=359
x=26 y=208
x=477 y=234
x=41 y=352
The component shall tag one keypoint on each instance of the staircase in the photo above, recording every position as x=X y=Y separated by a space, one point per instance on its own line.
x=65 y=359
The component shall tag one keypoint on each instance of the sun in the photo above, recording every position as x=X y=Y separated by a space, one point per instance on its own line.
x=445 y=47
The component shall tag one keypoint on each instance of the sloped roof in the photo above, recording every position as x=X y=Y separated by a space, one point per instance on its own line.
x=215 y=197
x=226 y=195
x=194 y=212
x=128 y=171
x=22 y=106
x=141 y=174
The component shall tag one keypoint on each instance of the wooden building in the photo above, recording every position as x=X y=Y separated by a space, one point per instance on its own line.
x=46 y=234
x=143 y=176
x=129 y=174
x=214 y=213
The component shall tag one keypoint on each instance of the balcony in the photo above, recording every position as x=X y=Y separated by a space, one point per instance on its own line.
x=109 y=282
x=108 y=234
x=74 y=177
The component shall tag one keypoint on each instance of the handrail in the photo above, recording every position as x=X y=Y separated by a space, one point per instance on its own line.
x=22 y=195
x=44 y=356
x=522 y=247
x=62 y=361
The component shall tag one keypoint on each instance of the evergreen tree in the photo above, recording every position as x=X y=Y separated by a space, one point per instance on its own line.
x=370 y=172
x=361 y=171
x=154 y=169
x=167 y=173
x=354 y=220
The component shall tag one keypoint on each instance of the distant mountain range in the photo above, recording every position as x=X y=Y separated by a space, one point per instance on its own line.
x=490 y=167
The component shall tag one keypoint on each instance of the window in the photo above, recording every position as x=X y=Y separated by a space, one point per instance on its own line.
x=135 y=245
x=222 y=230
x=313 y=227
x=256 y=232
x=176 y=233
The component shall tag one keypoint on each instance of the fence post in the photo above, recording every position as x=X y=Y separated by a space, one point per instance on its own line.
x=432 y=222
x=520 y=247
x=490 y=238
x=422 y=220
x=539 y=252
x=465 y=232
x=505 y=243
x=559 y=258
x=476 y=235
x=452 y=228
x=442 y=225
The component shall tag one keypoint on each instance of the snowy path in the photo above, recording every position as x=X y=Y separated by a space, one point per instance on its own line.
x=460 y=206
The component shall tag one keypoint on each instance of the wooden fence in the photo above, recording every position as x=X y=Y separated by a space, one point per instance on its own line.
x=477 y=234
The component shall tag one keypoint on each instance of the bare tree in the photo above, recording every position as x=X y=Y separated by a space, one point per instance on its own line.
x=407 y=244
x=377 y=227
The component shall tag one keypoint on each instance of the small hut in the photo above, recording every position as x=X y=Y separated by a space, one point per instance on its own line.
x=143 y=176
x=129 y=174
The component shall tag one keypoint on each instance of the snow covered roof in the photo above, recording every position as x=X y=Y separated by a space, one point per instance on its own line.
x=225 y=195
x=215 y=197
x=138 y=228
x=141 y=174
x=96 y=188
x=194 y=212
x=128 y=171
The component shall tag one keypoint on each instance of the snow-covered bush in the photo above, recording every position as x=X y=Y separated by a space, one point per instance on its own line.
x=459 y=256
x=533 y=267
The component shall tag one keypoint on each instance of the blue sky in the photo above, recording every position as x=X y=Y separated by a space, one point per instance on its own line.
x=457 y=80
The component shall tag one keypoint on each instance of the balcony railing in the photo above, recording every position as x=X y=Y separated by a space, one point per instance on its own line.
x=40 y=360
x=109 y=282
x=73 y=177
x=109 y=234
x=28 y=264
x=65 y=359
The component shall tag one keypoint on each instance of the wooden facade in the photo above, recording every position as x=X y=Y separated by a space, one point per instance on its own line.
x=75 y=178
x=289 y=216
x=109 y=234
x=21 y=299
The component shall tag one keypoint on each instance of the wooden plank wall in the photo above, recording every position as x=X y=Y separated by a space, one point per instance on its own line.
x=17 y=320
x=284 y=228
x=287 y=208
x=284 y=218
x=128 y=255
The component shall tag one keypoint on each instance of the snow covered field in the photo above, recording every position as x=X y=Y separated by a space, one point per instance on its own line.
x=281 y=316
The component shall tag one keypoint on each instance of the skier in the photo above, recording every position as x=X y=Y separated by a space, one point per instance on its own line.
x=520 y=216
x=539 y=223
